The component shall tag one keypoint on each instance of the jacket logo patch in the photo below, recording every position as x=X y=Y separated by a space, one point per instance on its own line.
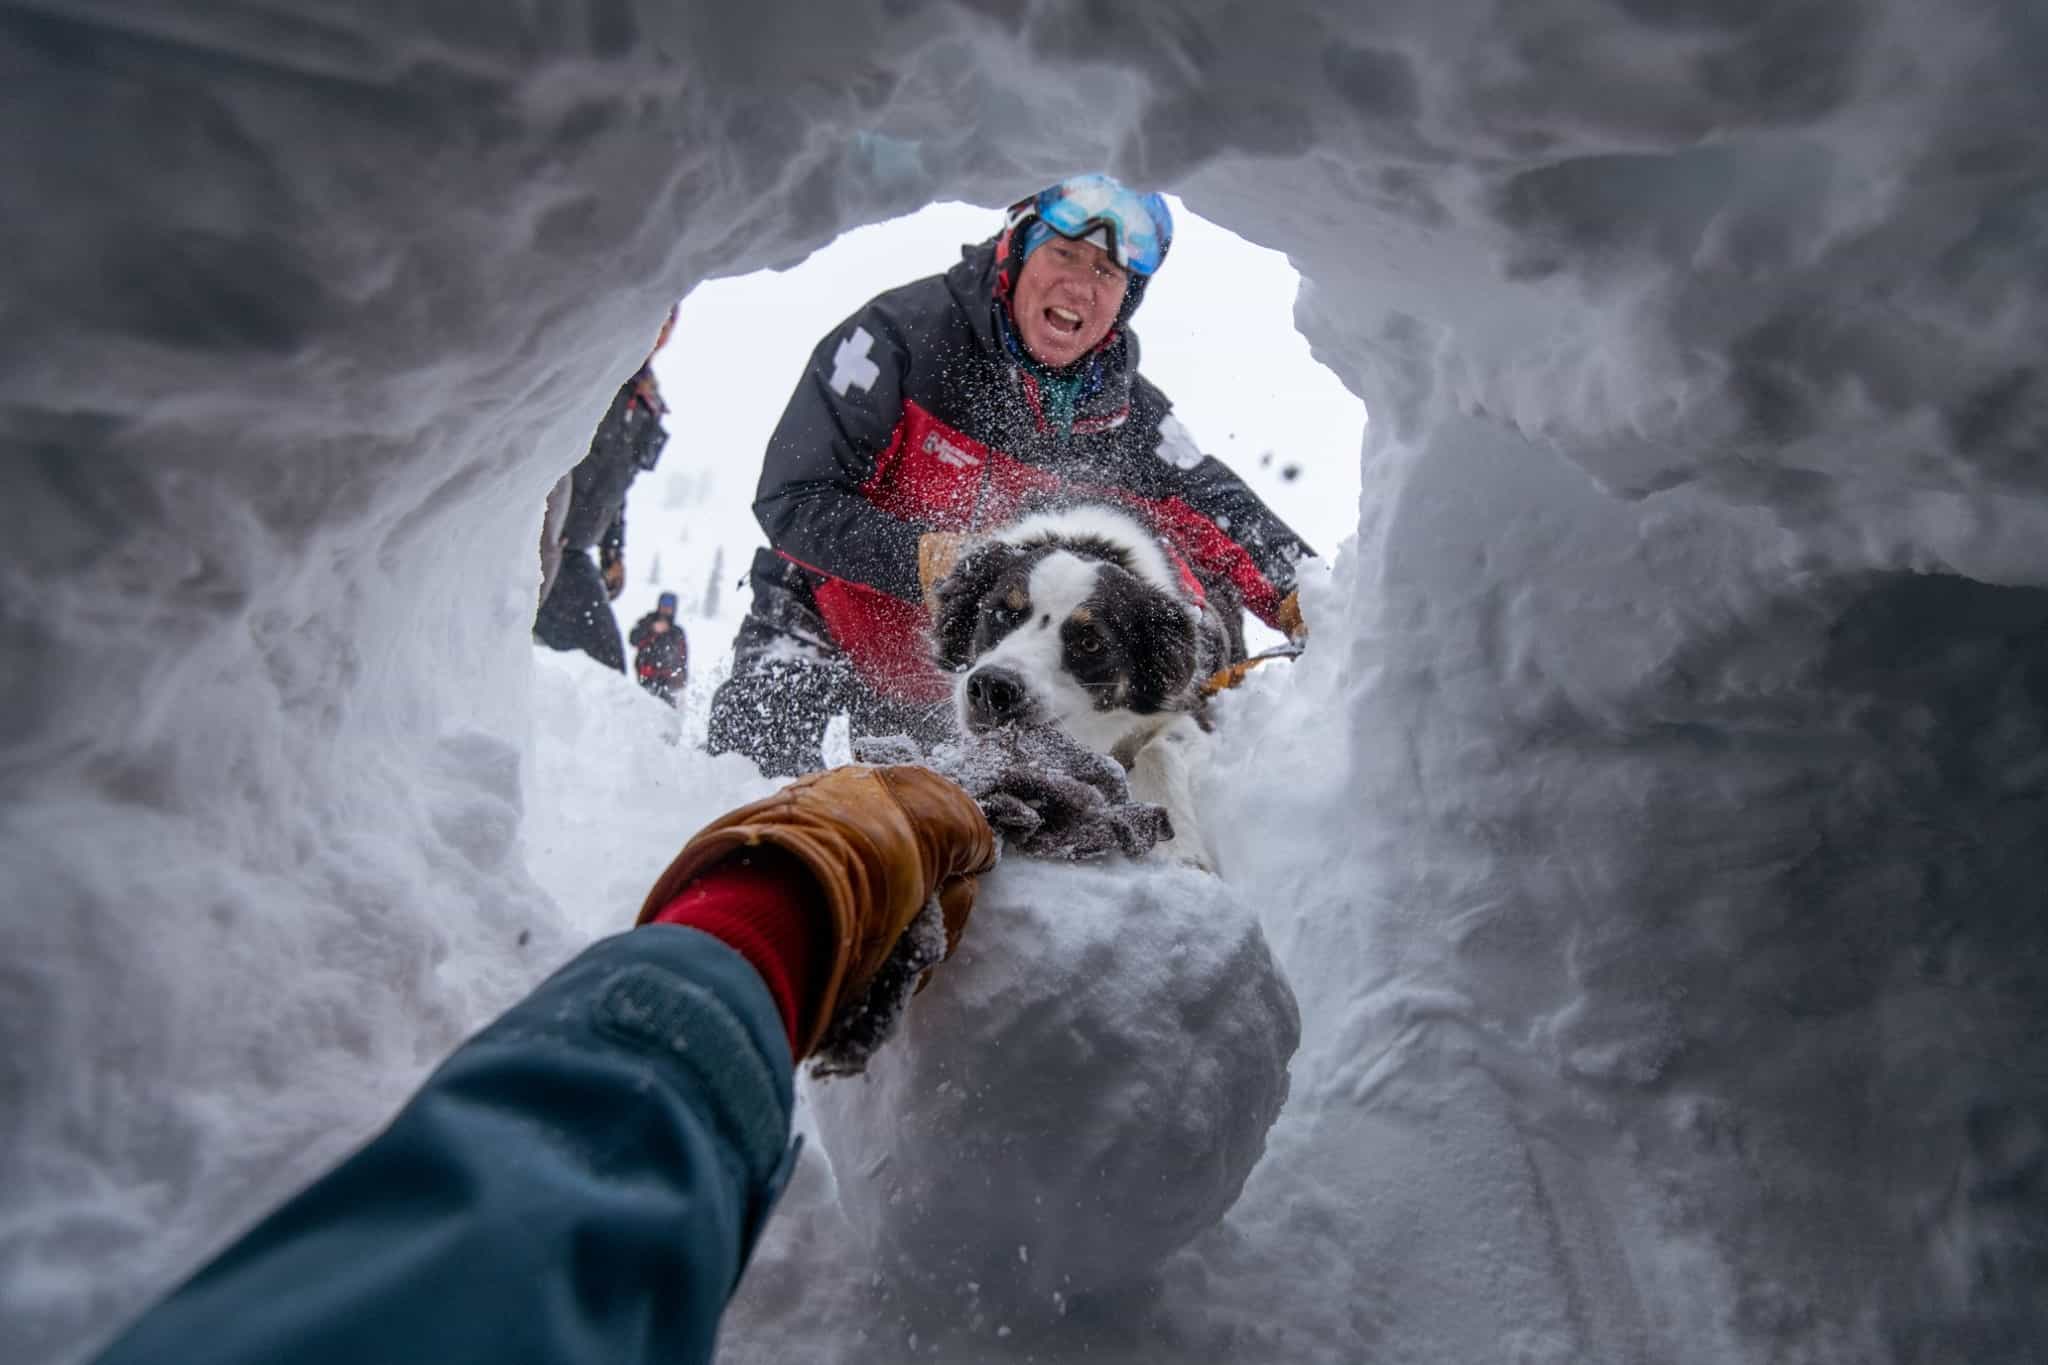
x=851 y=368
x=1176 y=445
x=948 y=453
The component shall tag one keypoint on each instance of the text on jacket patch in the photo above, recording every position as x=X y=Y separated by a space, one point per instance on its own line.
x=935 y=444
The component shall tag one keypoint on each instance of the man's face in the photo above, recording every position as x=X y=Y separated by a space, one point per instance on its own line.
x=1066 y=300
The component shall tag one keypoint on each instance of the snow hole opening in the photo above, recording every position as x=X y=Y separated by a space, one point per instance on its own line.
x=1217 y=335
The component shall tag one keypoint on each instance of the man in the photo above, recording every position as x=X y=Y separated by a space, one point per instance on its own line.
x=576 y=611
x=662 y=662
x=583 y=1180
x=948 y=407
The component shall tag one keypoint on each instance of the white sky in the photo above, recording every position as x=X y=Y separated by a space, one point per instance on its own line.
x=1217 y=334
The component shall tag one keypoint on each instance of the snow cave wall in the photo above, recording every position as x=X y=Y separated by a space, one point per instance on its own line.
x=1652 y=835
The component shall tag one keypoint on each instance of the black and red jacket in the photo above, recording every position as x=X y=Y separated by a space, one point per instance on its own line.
x=915 y=415
x=665 y=655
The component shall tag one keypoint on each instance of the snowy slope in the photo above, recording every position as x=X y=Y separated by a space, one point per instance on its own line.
x=1651 y=838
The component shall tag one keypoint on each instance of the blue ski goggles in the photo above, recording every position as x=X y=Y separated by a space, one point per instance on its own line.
x=1139 y=226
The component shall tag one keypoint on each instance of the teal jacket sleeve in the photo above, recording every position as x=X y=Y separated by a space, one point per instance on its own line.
x=582 y=1181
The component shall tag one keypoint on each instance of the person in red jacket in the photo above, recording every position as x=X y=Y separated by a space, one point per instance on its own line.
x=949 y=407
x=661 y=658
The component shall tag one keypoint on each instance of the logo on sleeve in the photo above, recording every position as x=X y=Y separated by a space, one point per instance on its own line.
x=851 y=368
x=949 y=453
x=1176 y=446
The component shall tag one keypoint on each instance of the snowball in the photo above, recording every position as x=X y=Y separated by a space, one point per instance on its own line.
x=1083 y=1088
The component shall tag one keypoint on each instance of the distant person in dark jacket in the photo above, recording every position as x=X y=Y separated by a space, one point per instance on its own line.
x=662 y=662
x=583 y=1180
x=949 y=407
x=577 y=612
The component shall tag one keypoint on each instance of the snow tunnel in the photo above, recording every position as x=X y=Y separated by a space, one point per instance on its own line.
x=1651 y=834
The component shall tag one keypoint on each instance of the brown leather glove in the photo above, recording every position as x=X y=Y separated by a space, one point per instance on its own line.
x=937 y=553
x=880 y=842
x=614 y=578
x=1288 y=618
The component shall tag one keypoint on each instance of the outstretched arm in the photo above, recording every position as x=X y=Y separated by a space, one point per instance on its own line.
x=1221 y=525
x=582 y=1180
x=585 y=1179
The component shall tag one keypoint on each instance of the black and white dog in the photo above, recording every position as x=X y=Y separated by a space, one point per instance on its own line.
x=1078 y=618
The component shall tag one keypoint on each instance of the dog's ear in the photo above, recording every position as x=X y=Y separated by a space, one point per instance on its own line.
x=957 y=599
x=1163 y=653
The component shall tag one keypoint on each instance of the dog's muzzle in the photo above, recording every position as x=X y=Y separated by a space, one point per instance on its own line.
x=996 y=696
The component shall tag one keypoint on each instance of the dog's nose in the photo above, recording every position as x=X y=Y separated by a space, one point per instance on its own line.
x=996 y=696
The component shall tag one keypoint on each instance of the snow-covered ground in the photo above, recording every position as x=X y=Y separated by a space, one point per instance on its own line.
x=1651 y=837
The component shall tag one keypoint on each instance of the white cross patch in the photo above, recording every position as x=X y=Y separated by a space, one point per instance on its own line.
x=851 y=367
x=1176 y=444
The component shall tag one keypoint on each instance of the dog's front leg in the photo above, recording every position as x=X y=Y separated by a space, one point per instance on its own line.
x=1161 y=774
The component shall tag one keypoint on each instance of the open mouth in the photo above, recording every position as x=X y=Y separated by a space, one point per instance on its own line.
x=1065 y=321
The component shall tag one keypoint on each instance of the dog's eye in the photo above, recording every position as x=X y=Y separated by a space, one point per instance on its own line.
x=1088 y=644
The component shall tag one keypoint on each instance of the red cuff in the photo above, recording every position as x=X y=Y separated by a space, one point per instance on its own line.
x=765 y=907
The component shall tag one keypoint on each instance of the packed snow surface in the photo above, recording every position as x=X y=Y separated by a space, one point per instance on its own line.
x=1651 y=835
x=1081 y=1091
